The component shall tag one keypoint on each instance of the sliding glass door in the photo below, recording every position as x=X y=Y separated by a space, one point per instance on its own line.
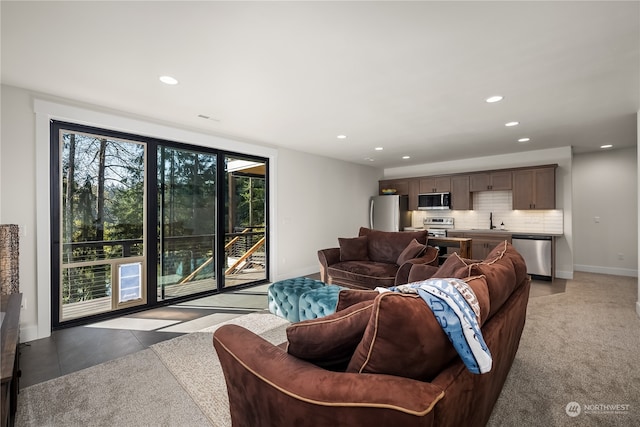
x=140 y=222
x=245 y=220
x=102 y=231
x=187 y=222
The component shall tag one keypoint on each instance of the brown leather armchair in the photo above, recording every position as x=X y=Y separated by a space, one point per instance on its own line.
x=377 y=263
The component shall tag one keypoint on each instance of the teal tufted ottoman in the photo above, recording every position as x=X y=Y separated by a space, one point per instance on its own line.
x=284 y=296
x=319 y=302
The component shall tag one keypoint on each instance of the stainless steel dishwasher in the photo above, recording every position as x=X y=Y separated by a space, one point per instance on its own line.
x=537 y=252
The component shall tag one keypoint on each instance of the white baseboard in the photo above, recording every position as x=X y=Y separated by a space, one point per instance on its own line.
x=28 y=333
x=300 y=272
x=606 y=270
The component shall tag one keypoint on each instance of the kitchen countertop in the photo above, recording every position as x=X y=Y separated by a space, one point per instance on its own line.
x=507 y=231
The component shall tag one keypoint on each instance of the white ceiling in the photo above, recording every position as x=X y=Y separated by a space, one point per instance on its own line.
x=411 y=77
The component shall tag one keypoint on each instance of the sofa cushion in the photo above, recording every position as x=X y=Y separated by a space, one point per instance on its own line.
x=368 y=273
x=413 y=250
x=386 y=246
x=353 y=248
x=402 y=338
x=330 y=340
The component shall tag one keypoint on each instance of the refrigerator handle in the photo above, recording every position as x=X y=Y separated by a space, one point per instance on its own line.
x=371 y=213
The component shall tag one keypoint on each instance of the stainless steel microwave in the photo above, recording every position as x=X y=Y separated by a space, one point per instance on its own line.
x=434 y=201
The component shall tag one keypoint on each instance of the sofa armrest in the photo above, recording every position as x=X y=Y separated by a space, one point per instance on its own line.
x=327 y=257
x=267 y=386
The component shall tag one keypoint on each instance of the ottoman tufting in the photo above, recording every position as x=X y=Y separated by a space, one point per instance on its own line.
x=319 y=302
x=284 y=296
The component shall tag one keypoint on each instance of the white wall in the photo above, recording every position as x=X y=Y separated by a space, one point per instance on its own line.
x=18 y=188
x=605 y=218
x=319 y=200
x=560 y=156
x=310 y=195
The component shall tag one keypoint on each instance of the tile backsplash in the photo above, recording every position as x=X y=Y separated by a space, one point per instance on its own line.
x=500 y=203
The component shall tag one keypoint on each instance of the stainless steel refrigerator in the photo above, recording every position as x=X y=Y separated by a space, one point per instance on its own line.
x=389 y=213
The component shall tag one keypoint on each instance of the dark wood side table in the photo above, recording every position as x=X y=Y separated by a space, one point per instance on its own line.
x=9 y=340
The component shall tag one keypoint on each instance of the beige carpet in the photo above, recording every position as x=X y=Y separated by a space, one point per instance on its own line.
x=580 y=346
x=193 y=361
x=135 y=390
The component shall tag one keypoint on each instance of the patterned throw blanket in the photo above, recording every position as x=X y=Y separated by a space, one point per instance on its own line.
x=456 y=307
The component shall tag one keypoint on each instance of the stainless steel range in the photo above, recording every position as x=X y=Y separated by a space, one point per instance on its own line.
x=437 y=226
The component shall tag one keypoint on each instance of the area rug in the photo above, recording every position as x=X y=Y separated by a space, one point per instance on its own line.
x=134 y=390
x=194 y=362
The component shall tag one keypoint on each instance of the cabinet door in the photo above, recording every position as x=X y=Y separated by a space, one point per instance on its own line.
x=479 y=182
x=501 y=180
x=545 y=188
x=400 y=185
x=414 y=190
x=490 y=181
x=435 y=184
x=534 y=188
x=523 y=185
x=461 y=197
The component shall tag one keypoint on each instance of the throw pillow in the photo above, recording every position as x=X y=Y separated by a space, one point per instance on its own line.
x=478 y=285
x=501 y=281
x=330 y=340
x=353 y=248
x=349 y=297
x=506 y=250
x=454 y=266
x=394 y=344
x=413 y=250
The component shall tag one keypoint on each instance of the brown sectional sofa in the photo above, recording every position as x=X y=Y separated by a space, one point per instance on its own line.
x=381 y=359
x=374 y=259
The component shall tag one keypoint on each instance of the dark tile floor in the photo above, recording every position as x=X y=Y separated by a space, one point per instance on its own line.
x=72 y=349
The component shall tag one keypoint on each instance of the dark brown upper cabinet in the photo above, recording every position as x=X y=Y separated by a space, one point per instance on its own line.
x=534 y=188
x=490 y=181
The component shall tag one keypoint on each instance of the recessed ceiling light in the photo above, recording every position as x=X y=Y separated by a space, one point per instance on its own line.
x=379 y=148
x=168 y=80
x=524 y=140
x=512 y=124
x=406 y=157
x=341 y=136
x=369 y=158
x=606 y=146
x=494 y=98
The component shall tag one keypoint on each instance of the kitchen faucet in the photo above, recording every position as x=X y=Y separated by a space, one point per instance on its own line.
x=491 y=226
